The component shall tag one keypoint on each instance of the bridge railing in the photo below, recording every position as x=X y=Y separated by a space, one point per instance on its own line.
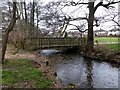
x=47 y=42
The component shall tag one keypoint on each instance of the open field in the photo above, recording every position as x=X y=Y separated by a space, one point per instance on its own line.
x=106 y=39
x=109 y=42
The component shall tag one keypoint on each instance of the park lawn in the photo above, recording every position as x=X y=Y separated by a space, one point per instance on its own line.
x=106 y=39
x=22 y=72
x=113 y=46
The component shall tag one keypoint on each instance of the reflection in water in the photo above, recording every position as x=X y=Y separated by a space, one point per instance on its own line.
x=89 y=73
x=72 y=71
x=49 y=52
x=85 y=72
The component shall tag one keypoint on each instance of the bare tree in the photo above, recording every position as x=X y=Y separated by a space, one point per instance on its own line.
x=92 y=10
x=25 y=12
x=91 y=18
x=115 y=21
x=8 y=30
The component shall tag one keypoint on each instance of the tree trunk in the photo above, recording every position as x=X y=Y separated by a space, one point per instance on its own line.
x=90 y=38
x=89 y=73
x=64 y=28
x=8 y=30
x=5 y=37
x=25 y=12
x=4 y=45
x=32 y=19
x=21 y=5
x=37 y=15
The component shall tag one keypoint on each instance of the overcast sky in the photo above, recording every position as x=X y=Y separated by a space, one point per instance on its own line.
x=78 y=11
x=81 y=12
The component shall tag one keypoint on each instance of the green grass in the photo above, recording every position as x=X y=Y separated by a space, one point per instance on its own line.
x=21 y=71
x=8 y=77
x=113 y=46
x=106 y=39
x=1 y=77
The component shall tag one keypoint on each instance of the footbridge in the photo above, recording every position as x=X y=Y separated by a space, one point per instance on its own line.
x=53 y=42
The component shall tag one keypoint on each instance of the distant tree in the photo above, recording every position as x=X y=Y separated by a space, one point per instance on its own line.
x=32 y=14
x=51 y=18
x=25 y=12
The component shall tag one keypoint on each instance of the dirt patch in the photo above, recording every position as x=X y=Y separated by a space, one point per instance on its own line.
x=36 y=59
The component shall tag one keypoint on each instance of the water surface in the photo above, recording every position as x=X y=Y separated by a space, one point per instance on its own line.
x=85 y=72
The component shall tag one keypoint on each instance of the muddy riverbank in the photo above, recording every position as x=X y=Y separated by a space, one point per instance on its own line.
x=103 y=54
x=37 y=60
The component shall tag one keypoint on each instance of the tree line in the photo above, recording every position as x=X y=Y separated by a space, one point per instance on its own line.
x=35 y=19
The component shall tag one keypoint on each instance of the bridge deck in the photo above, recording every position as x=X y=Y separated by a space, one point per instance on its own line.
x=39 y=43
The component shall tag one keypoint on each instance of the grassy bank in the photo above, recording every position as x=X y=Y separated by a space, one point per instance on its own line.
x=113 y=46
x=22 y=73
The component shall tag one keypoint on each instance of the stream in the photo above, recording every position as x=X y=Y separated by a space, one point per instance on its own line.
x=83 y=72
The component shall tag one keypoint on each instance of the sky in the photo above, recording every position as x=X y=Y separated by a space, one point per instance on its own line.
x=101 y=11
x=78 y=11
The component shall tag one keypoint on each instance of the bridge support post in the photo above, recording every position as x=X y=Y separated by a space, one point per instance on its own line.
x=48 y=44
x=40 y=43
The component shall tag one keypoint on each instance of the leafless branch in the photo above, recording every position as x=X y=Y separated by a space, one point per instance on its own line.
x=104 y=5
x=79 y=18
